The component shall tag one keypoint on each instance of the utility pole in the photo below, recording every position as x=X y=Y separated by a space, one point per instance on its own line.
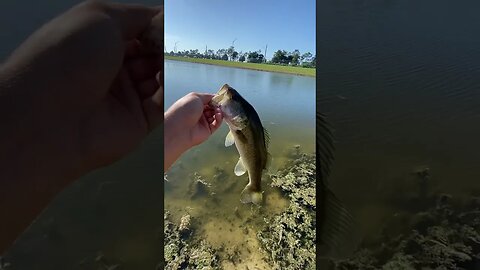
x=205 y=50
x=175 y=48
x=265 y=55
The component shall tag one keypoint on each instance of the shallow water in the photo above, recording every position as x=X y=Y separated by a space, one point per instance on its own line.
x=285 y=104
x=399 y=81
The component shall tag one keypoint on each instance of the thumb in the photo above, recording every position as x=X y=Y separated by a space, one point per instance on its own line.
x=205 y=97
x=132 y=19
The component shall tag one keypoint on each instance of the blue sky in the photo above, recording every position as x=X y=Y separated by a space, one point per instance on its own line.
x=282 y=24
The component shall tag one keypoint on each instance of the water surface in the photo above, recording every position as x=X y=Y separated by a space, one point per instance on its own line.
x=285 y=104
x=400 y=83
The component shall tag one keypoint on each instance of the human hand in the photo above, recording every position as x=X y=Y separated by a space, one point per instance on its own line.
x=91 y=82
x=188 y=122
x=79 y=93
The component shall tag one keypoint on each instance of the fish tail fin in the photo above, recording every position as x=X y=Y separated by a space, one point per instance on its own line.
x=337 y=229
x=249 y=195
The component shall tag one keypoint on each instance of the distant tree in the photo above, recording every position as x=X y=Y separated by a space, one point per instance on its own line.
x=230 y=52
x=225 y=57
x=210 y=54
x=220 y=53
x=241 y=58
x=245 y=55
x=255 y=57
x=295 y=60
x=280 y=57
x=260 y=58
x=306 y=57
x=252 y=57
x=193 y=53
x=234 y=55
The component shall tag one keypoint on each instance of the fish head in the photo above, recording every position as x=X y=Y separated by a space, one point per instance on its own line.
x=232 y=106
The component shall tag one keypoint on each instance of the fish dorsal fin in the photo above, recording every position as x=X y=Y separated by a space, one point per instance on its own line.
x=266 y=135
x=240 y=167
x=229 y=140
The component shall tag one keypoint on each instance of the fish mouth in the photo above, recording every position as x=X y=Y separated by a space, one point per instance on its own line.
x=216 y=100
x=219 y=97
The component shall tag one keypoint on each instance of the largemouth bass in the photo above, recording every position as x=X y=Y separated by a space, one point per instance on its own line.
x=251 y=139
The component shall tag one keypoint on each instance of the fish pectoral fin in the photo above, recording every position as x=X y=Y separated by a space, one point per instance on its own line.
x=229 y=140
x=240 y=168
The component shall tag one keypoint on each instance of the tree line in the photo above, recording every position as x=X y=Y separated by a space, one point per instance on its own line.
x=280 y=57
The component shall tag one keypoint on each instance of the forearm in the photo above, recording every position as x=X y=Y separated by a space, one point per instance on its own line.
x=175 y=141
x=34 y=167
x=31 y=175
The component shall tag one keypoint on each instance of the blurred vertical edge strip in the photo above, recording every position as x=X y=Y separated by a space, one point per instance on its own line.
x=161 y=80
x=319 y=175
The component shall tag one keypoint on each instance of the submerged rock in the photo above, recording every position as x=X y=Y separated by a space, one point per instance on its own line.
x=203 y=256
x=295 y=152
x=182 y=251
x=184 y=224
x=199 y=187
x=440 y=237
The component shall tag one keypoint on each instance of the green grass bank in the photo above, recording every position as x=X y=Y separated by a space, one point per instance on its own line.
x=262 y=67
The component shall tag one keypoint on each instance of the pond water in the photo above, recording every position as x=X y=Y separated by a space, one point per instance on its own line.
x=399 y=81
x=286 y=106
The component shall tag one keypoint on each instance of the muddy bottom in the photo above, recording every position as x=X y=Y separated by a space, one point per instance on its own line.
x=444 y=234
x=221 y=233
